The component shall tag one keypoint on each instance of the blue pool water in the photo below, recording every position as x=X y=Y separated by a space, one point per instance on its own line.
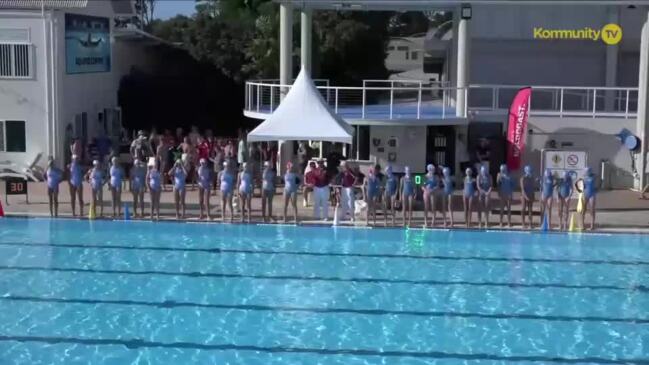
x=79 y=292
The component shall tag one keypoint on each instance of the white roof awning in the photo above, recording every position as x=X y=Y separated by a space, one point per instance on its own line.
x=303 y=115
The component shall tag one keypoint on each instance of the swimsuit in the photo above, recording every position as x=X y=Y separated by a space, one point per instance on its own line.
x=116 y=177
x=245 y=187
x=565 y=187
x=290 y=183
x=53 y=179
x=548 y=187
x=448 y=186
x=469 y=187
x=154 y=180
x=227 y=180
x=589 y=187
x=204 y=177
x=268 y=183
x=138 y=179
x=75 y=175
x=485 y=184
x=408 y=186
x=391 y=185
x=431 y=183
x=372 y=187
x=528 y=186
x=506 y=185
x=179 y=179
x=96 y=179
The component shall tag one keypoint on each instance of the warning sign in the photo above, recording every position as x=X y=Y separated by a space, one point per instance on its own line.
x=561 y=160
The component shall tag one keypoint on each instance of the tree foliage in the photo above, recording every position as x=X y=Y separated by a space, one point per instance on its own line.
x=240 y=38
x=144 y=10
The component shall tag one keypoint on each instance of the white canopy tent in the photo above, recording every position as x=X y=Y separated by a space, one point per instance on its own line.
x=303 y=115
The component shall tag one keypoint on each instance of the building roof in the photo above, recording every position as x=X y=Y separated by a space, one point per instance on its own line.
x=37 y=4
x=433 y=4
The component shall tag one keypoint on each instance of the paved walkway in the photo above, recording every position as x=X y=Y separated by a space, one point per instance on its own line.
x=618 y=210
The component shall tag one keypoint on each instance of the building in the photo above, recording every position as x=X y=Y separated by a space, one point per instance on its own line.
x=585 y=90
x=61 y=62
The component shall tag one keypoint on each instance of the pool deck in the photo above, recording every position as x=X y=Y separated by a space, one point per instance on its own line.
x=617 y=210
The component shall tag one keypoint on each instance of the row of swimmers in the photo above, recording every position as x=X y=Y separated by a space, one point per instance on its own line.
x=477 y=191
x=386 y=191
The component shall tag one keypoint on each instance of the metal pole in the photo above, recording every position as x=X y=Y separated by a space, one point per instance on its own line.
x=594 y=101
x=626 y=108
x=336 y=101
x=363 y=105
x=391 y=99
x=561 y=103
x=258 y=96
x=419 y=102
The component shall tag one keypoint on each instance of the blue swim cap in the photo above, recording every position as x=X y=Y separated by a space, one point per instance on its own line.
x=527 y=170
x=406 y=169
x=483 y=169
x=446 y=171
x=430 y=167
x=503 y=168
x=468 y=171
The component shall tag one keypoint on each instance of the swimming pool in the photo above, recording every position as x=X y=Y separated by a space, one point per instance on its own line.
x=79 y=292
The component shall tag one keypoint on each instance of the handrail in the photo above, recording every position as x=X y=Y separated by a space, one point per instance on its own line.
x=427 y=101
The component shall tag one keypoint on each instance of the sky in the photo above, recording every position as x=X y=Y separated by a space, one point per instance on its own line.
x=165 y=9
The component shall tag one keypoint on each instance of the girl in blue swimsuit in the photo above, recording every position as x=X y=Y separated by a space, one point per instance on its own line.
x=429 y=191
x=179 y=174
x=565 y=192
x=589 y=183
x=137 y=182
x=547 y=195
x=154 y=183
x=54 y=176
x=484 y=184
x=245 y=191
x=407 y=191
x=76 y=184
x=505 y=192
x=447 y=181
x=204 y=177
x=226 y=183
x=390 y=193
x=527 y=194
x=267 y=191
x=96 y=178
x=372 y=194
x=291 y=184
x=469 y=196
x=115 y=185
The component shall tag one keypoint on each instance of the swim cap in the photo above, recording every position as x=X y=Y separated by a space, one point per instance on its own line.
x=114 y=160
x=95 y=163
x=266 y=163
x=406 y=169
x=446 y=171
x=503 y=168
x=468 y=171
x=430 y=167
x=483 y=169
x=74 y=157
x=202 y=161
x=289 y=165
x=388 y=169
x=527 y=170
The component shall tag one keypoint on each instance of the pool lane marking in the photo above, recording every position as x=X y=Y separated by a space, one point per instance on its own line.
x=195 y=274
x=170 y=304
x=218 y=250
x=137 y=343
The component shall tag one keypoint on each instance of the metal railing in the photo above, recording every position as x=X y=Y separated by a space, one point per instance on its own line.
x=407 y=99
x=419 y=101
x=562 y=101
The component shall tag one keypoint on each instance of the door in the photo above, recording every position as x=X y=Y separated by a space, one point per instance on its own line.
x=440 y=146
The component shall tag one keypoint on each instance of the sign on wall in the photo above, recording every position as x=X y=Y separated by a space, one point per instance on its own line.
x=87 y=44
x=559 y=161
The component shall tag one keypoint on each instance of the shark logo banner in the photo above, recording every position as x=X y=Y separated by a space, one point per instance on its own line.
x=87 y=44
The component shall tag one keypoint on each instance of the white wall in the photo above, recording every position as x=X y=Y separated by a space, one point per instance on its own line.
x=411 y=147
x=596 y=136
x=22 y=99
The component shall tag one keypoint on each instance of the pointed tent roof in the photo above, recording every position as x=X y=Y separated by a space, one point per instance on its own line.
x=303 y=115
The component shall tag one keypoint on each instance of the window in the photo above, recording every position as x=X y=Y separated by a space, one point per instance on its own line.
x=361 y=143
x=15 y=60
x=414 y=55
x=12 y=136
x=391 y=48
x=402 y=48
